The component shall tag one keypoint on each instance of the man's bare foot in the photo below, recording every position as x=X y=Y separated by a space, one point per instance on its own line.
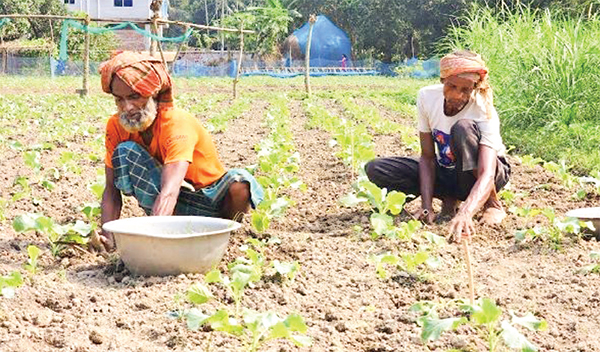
x=493 y=212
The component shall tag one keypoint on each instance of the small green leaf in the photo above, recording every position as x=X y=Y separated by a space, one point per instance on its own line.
x=487 y=312
x=434 y=239
x=381 y=223
x=351 y=200
x=199 y=294
x=296 y=323
x=195 y=318
x=260 y=221
x=8 y=283
x=25 y=222
x=213 y=276
x=81 y=228
x=433 y=328
x=530 y=322
x=514 y=339
x=395 y=202
x=301 y=341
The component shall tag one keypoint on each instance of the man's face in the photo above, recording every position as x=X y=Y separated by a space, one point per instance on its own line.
x=136 y=113
x=457 y=93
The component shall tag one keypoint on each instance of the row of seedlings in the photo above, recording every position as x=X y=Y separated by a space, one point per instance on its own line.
x=278 y=162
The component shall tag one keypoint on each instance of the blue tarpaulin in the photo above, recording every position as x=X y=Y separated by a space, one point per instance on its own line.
x=328 y=44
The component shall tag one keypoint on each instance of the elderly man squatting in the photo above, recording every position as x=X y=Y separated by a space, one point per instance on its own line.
x=153 y=148
x=458 y=117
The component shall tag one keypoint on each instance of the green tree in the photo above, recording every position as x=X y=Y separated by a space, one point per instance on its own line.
x=271 y=23
x=31 y=28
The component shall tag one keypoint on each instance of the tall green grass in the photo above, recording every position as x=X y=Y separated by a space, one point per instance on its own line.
x=545 y=69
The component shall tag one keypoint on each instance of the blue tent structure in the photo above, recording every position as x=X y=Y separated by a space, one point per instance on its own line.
x=328 y=44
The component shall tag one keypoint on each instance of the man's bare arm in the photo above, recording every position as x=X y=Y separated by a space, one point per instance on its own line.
x=427 y=175
x=486 y=172
x=110 y=206
x=172 y=177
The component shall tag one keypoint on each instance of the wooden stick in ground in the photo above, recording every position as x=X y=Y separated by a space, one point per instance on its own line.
x=311 y=22
x=469 y=270
x=86 y=59
x=239 y=63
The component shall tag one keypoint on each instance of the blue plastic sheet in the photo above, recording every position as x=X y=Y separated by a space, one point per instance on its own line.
x=329 y=43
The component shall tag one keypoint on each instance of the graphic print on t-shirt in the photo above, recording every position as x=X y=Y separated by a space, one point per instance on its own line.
x=442 y=140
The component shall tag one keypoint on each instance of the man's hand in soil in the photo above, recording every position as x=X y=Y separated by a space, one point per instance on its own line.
x=102 y=241
x=462 y=226
x=426 y=215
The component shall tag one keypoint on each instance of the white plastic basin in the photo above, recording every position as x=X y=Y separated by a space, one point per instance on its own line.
x=171 y=245
x=587 y=214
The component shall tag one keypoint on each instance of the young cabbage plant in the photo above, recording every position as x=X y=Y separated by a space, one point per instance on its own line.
x=485 y=317
x=59 y=236
x=592 y=268
x=252 y=328
x=286 y=270
x=9 y=283
x=555 y=232
x=384 y=205
x=33 y=252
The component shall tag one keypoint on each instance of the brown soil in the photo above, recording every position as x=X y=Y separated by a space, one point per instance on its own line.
x=86 y=302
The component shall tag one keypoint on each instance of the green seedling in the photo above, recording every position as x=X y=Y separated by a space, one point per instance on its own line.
x=530 y=161
x=9 y=282
x=278 y=162
x=411 y=263
x=92 y=211
x=486 y=318
x=59 y=236
x=68 y=161
x=384 y=205
x=97 y=188
x=592 y=268
x=32 y=160
x=555 y=231
x=252 y=328
x=25 y=191
x=31 y=265
x=286 y=270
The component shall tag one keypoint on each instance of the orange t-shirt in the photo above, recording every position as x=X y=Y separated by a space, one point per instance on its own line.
x=177 y=136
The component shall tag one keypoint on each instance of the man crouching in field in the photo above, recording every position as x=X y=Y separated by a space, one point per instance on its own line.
x=457 y=116
x=153 y=148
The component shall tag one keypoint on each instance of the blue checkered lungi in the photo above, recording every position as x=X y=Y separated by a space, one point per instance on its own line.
x=138 y=174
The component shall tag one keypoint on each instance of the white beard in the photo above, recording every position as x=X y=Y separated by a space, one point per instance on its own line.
x=141 y=120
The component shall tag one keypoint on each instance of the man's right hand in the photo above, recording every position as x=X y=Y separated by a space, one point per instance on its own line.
x=425 y=215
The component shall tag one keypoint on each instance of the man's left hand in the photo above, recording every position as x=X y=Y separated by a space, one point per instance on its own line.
x=462 y=226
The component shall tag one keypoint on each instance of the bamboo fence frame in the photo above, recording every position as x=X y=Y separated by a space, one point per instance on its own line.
x=154 y=22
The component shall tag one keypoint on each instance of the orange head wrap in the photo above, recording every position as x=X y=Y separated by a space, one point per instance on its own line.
x=469 y=65
x=143 y=73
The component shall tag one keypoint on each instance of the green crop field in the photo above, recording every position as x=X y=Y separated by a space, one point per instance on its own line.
x=328 y=262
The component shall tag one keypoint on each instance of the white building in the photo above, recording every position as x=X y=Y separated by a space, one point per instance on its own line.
x=121 y=10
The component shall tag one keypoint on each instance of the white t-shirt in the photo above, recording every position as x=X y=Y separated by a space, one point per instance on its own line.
x=431 y=119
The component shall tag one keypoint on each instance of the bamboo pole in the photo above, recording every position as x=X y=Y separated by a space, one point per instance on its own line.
x=469 y=270
x=311 y=22
x=86 y=60
x=211 y=28
x=140 y=21
x=152 y=41
x=239 y=63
